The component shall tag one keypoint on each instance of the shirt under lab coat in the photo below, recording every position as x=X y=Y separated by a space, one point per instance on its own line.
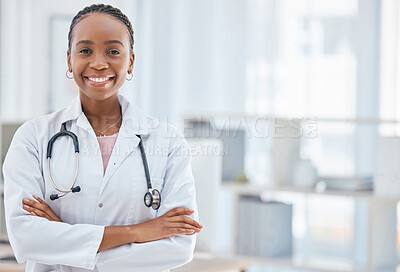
x=113 y=199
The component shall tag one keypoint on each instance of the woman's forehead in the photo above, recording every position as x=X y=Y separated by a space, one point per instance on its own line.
x=97 y=27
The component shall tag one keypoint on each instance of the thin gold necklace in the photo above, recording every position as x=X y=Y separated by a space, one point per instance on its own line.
x=102 y=132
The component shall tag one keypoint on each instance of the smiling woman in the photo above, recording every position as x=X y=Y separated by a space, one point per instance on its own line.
x=103 y=225
x=100 y=56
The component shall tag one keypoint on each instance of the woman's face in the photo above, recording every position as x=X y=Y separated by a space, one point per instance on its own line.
x=100 y=56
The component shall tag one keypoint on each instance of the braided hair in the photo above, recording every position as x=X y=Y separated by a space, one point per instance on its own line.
x=104 y=9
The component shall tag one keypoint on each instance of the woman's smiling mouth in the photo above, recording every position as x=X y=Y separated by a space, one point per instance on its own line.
x=99 y=81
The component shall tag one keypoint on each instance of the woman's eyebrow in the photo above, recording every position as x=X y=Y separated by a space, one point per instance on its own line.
x=114 y=41
x=85 y=41
x=106 y=42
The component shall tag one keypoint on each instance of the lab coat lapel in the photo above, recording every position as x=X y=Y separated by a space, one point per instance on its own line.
x=74 y=112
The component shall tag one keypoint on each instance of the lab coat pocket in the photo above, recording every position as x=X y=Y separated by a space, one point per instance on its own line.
x=138 y=211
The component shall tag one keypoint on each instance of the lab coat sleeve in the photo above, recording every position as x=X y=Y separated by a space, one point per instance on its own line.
x=168 y=253
x=34 y=238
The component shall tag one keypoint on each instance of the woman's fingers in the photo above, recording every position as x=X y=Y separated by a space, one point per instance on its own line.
x=182 y=225
x=36 y=212
x=183 y=231
x=179 y=214
x=179 y=220
x=33 y=204
x=39 y=200
x=47 y=209
x=40 y=208
x=179 y=211
x=187 y=220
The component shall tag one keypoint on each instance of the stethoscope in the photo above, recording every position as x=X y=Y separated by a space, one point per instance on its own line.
x=151 y=198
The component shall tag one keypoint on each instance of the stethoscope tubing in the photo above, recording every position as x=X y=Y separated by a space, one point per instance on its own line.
x=153 y=194
x=74 y=180
x=63 y=132
x=146 y=166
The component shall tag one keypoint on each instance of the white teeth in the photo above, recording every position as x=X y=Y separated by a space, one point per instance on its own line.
x=95 y=79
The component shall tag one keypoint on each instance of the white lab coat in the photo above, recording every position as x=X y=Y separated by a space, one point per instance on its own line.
x=113 y=199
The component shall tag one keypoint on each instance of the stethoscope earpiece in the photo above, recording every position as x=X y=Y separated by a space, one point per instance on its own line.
x=54 y=197
x=76 y=189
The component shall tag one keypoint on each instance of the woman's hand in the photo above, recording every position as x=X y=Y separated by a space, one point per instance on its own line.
x=174 y=222
x=40 y=209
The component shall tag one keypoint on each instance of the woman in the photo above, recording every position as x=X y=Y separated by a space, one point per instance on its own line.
x=105 y=226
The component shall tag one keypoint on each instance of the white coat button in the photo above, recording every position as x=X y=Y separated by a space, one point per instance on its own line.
x=101 y=205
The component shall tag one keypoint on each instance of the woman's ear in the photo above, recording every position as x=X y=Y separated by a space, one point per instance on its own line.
x=69 y=61
x=131 y=61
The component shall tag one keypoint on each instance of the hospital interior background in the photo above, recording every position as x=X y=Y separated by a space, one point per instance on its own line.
x=291 y=109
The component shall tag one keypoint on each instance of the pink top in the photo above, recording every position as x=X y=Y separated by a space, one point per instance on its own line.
x=106 y=147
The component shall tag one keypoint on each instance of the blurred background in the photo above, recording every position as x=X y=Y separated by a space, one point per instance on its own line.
x=291 y=109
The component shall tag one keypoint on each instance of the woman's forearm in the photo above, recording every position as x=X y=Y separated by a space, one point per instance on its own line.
x=119 y=235
x=116 y=236
x=174 y=222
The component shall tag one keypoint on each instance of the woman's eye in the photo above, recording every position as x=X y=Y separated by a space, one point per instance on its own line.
x=84 y=51
x=114 y=52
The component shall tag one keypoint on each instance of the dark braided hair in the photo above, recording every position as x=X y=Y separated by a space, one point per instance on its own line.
x=104 y=9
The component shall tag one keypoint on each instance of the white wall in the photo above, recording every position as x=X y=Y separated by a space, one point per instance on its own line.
x=191 y=56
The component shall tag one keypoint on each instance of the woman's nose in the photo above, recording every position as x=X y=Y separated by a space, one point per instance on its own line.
x=98 y=62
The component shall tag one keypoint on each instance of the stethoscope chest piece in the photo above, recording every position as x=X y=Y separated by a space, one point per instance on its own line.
x=152 y=199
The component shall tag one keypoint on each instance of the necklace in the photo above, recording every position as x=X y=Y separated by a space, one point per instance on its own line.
x=104 y=131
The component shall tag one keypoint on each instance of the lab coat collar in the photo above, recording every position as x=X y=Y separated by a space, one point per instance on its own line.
x=134 y=121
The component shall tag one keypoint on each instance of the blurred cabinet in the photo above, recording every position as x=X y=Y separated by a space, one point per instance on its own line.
x=375 y=245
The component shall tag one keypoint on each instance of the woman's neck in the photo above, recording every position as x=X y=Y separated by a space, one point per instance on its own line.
x=102 y=114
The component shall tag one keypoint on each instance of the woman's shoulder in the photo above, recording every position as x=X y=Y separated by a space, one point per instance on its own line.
x=41 y=123
x=49 y=118
x=167 y=133
x=163 y=128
